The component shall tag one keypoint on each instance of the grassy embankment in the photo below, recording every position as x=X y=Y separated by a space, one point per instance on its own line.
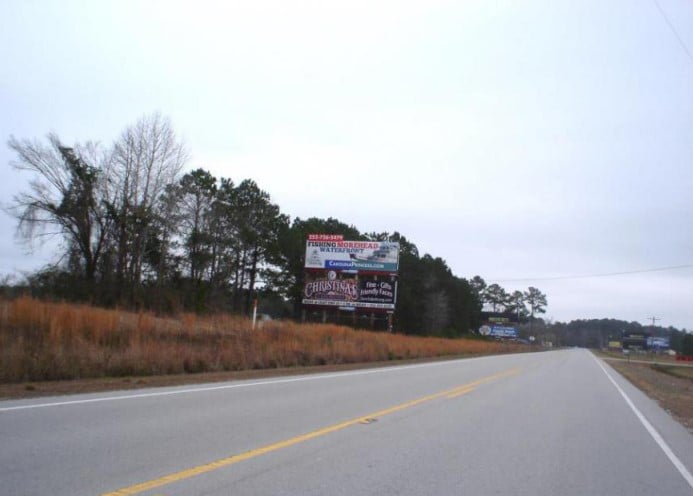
x=42 y=341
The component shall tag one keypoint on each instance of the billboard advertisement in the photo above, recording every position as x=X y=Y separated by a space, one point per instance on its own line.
x=333 y=289
x=336 y=255
x=658 y=343
x=503 y=332
x=497 y=331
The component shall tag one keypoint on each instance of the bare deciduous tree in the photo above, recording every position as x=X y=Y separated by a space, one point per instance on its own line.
x=147 y=157
x=65 y=196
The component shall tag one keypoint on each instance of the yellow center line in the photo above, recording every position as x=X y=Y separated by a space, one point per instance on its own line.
x=460 y=392
x=469 y=387
x=233 y=459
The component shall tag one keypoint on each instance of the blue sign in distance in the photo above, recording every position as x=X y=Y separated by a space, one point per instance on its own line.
x=503 y=332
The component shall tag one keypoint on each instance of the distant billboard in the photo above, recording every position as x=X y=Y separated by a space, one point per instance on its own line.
x=497 y=331
x=375 y=256
x=656 y=343
x=635 y=340
x=333 y=289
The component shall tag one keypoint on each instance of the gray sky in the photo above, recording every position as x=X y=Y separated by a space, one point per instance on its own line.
x=513 y=139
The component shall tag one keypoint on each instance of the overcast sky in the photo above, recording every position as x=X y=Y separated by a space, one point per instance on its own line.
x=516 y=140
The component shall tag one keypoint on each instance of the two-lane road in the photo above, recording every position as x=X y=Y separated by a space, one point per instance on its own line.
x=550 y=423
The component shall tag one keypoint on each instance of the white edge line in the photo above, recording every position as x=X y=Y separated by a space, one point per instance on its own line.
x=242 y=385
x=653 y=432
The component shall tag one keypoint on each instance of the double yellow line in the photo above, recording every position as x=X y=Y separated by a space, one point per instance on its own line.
x=366 y=419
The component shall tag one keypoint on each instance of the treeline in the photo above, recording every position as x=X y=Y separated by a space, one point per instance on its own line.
x=139 y=233
x=518 y=306
x=597 y=333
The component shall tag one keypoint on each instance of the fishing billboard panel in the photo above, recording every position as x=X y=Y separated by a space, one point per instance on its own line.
x=375 y=256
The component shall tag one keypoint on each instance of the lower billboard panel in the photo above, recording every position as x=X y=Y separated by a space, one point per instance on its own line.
x=503 y=332
x=338 y=289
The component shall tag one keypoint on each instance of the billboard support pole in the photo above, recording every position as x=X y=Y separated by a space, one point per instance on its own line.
x=324 y=316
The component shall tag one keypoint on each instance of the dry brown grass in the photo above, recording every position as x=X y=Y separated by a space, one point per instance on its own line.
x=49 y=341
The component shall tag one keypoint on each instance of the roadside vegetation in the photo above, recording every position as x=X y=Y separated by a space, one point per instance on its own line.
x=140 y=229
x=42 y=341
x=675 y=370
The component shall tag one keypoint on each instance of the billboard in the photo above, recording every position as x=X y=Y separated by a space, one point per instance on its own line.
x=353 y=291
x=336 y=255
x=658 y=343
x=503 y=332
x=634 y=339
x=497 y=331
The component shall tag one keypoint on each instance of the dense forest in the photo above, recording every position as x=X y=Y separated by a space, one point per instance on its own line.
x=139 y=232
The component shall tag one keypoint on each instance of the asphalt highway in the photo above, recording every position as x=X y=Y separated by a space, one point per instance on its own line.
x=560 y=422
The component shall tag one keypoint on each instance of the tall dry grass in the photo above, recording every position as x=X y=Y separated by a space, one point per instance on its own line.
x=45 y=341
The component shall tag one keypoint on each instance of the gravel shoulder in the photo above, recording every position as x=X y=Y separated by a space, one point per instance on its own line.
x=670 y=385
